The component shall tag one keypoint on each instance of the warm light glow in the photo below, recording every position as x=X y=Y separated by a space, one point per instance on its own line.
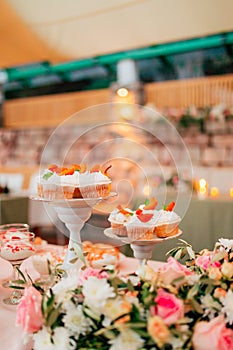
x=122 y=92
x=202 y=190
x=146 y=190
x=231 y=192
x=214 y=192
x=202 y=183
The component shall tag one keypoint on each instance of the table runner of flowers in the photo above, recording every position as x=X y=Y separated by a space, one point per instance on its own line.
x=176 y=307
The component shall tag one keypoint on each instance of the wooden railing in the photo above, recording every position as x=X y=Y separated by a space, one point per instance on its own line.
x=51 y=110
x=200 y=92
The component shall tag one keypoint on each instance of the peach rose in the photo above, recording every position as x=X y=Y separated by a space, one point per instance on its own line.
x=172 y=270
x=212 y=335
x=227 y=269
x=158 y=331
x=169 y=307
x=215 y=273
x=29 y=315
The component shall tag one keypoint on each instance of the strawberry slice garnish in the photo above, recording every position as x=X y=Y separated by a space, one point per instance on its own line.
x=123 y=211
x=76 y=167
x=145 y=217
x=67 y=171
x=95 y=169
x=151 y=205
x=138 y=211
x=83 y=168
x=52 y=167
x=170 y=206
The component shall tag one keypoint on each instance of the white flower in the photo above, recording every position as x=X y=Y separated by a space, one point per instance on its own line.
x=127 y=339
x=226 y=244
x=228 y=306
x=192 y=279
x=42 y=340
x=96 y=292
x=76 y=322
x=210 y=305
x=62 y=341
x=63 y=289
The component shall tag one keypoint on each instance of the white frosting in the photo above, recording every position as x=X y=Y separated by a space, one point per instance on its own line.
x=76 y=179
x=14 y=233
x=134 y=221
x=167 y=217
x=149 y=211
x=94 y=178
x=62 y=180
x=117 y=217
x=12 y=251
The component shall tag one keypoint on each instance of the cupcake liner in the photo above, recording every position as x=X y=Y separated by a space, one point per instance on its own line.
x=95 y=191
x=52 y=191
x=77 y=193
x=119 y=229
x=139 y=233
x=166 y=230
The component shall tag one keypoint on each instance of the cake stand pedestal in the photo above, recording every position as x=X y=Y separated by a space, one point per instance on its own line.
x=142 y=249
x=74 y=213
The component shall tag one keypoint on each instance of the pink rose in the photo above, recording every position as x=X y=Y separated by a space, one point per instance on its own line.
x=29 y=315
x=92 y=272
x=204 y=261
x=212 y=335
x=172 y=270
x=169 y=307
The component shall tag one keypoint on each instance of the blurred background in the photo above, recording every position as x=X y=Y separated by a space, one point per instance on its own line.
x=174 y=59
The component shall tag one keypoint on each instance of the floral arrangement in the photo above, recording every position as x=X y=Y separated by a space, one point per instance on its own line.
x=205 y=119
x=176 y=307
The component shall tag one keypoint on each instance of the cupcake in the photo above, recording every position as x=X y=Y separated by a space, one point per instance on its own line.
x=118 y=218
x=141 y=225
x=168 y=222
x=95 y=183
x=58 y=183
x=73 y=182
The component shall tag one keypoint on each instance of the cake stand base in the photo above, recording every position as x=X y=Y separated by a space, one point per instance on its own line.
x=142 y=249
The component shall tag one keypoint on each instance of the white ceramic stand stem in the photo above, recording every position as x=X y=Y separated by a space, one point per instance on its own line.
x=74 y=219
x=142 y=250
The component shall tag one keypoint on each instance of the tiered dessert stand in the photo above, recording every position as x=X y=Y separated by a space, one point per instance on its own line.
x=142 y=249
x=74 y=213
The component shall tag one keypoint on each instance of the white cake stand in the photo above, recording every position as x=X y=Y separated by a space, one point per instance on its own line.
x=74 y=213
x=142 y=249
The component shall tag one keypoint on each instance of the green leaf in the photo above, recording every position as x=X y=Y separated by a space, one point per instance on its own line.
x=47 y=175
x=21 y=274
x=178 y=254
x=17 y=287
x=18 y=282
x=190 y=252
x=218 y=256
x=53 y=316
x=78 y=251
x=192 y=292
x=197 y=306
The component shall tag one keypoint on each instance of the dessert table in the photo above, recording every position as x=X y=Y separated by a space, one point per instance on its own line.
x=12 y=336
